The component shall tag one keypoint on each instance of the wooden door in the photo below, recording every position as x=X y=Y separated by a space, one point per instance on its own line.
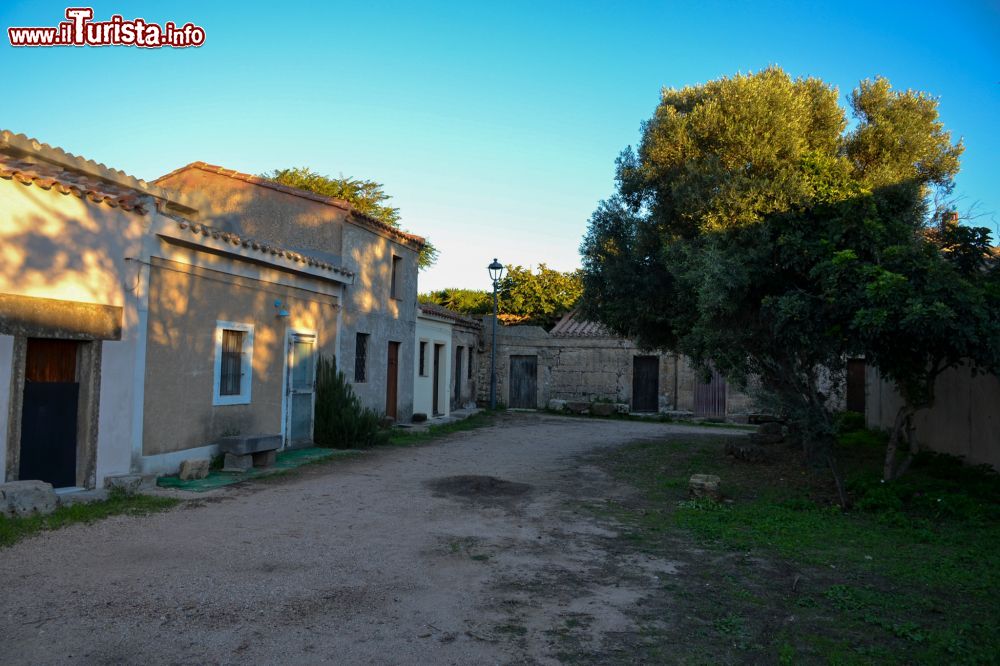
x=524 y=382
x=646 y=383
x=49 y=412
x=458 y=378
x=710 y=397
x=392 y=379
x=856 y=385
x=436 y=408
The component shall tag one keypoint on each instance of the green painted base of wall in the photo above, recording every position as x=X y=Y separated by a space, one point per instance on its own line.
x=286 y=460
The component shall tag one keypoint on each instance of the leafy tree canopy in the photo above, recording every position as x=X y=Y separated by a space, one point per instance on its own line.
x=752 y=231
x=367 y=196
x=523 y=296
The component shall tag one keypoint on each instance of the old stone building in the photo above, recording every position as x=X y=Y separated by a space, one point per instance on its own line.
x=140 y=323
x=580 y=360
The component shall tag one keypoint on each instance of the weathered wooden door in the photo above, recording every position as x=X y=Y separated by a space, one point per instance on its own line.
x=391 y=380
x=524 y=382
x=436 y=408
x=645 y=383
x=856 y=385
x=710 y=397
x=458 y=378
x=49 y=412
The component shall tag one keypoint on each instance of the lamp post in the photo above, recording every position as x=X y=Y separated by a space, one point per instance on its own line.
x=496 y=272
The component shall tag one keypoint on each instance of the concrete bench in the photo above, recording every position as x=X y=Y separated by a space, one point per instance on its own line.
x=246 y=451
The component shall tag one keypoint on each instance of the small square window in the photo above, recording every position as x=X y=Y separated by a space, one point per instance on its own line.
x=233 y=363
x=361 y=358
x=395 y=288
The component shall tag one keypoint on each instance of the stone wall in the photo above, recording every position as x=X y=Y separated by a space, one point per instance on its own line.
x=589 y=369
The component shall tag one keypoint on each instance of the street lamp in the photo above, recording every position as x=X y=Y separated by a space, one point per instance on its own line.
x=496 y=272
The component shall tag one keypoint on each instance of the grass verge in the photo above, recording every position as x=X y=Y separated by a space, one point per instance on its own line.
x=400 y=437
x=909 y=576
x=15 y=529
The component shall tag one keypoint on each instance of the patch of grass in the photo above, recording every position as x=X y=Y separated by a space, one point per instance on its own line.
x=512 y=629
x=909 y=575
x=13 y=530
x=400 y=437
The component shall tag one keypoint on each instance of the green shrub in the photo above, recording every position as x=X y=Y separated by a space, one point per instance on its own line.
x=849 y=422
x=342 y=422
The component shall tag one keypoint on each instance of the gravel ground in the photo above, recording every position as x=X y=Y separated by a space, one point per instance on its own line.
x=469 y=550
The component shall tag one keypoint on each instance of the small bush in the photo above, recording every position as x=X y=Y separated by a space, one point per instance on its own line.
x=342 y=422
x=849 y=422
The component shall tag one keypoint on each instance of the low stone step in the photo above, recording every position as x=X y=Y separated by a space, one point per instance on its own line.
x=241 y=445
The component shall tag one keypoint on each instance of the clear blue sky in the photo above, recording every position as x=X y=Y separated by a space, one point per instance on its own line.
x=494 y=125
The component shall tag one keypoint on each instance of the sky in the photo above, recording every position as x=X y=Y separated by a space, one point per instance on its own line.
x=494 y=126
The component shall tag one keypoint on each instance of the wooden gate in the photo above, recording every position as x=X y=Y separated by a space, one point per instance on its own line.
x=524 y=382
x=645 y=383
x=49 y=412
x=710 y=397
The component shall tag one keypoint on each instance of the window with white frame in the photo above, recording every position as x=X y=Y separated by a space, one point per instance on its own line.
x=233 y=363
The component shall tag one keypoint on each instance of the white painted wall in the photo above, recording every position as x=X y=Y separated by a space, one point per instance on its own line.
x=6 y=353
x=433 y=331
x=67 y=248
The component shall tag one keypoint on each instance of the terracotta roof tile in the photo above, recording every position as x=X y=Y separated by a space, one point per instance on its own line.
x=573 y=326
x=441 y=311
x=356 y=215
x=48 y=176
x=204 y=231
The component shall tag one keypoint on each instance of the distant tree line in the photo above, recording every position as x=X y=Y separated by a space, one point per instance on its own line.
x=524 y=296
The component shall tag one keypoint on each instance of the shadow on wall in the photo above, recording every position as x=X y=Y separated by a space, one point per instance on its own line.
x=62 y=247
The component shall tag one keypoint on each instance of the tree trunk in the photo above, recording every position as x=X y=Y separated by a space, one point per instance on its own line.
x=902 y=428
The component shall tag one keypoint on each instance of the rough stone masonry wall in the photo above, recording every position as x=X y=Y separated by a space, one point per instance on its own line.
x=588 y=369
x=570 y=368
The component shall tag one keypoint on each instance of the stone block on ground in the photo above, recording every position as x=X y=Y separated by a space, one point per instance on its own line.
x=244 y=444
x=196 y=468
x=623 y=407
x=25 y=498
x=265 y=458
x=577 y=406
x=238 y=462
x=602 y=408
x=704 y=486
x=127 y=483
x=84 y=497
x=557 y=405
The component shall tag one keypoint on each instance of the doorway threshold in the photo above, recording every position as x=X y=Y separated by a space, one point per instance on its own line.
x=68 y=490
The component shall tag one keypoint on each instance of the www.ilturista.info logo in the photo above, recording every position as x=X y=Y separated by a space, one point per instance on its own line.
x=81 y=30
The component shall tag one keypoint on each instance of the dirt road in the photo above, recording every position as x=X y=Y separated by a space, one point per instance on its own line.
x=401 y=556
